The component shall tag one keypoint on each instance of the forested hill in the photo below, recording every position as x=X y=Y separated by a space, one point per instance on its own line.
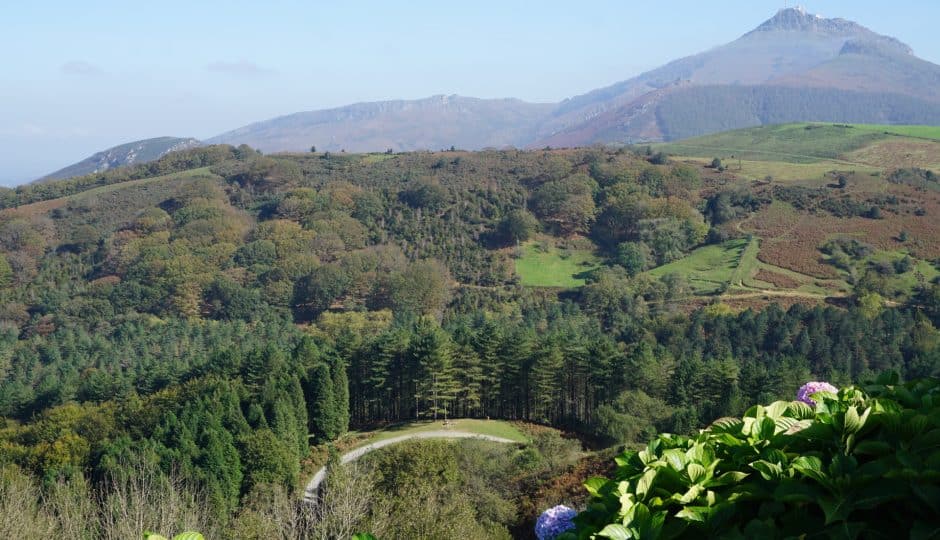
x=206 y=312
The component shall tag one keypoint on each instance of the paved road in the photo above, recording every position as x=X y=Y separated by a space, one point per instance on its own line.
x=314 y=485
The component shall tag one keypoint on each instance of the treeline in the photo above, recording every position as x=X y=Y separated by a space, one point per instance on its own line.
x=559 y=366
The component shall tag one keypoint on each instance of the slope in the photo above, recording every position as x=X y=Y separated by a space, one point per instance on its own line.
x=427 y=124
x=126 y=154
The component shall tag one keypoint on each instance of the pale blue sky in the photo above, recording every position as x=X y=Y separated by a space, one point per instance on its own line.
x=81 y=76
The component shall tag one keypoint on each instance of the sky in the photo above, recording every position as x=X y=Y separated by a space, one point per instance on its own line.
x=78 y=77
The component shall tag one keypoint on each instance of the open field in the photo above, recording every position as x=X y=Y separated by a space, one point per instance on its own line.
x=541 y=264
x=707 y=269
x=829 y=146
x=734 y=269
x=782 y=171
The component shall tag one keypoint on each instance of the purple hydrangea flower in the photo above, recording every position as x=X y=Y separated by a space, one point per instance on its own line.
x=554 y=521
x=811 y=388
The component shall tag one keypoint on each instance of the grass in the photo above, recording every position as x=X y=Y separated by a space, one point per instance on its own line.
x=494 y=428
x=801 y=143
x=783 y=171
x=707 y=269
x=541 y=264
x=903 y=285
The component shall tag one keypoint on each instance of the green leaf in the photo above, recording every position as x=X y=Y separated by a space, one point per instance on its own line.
x=731 y=477
x=852 y=421
x=791 y=492
x=726 y=425
x=872 y=448
x=615 y=531
x=694 y=513
x=777 y=409
x=594 y=485
x=676 y=459
x=645 y=483
x=767 y=470
x=810 y=466
x=800 y=410
x=154 y=536
x=696 y=472
x=836 y=509
x=363 y=536
x=189 y=535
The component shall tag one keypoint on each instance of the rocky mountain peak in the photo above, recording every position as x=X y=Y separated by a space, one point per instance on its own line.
x=799 y=20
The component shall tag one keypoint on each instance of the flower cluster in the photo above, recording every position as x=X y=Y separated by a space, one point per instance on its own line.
x=811 y=388
x=554 y=521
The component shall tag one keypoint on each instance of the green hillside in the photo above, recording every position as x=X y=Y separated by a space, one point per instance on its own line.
x=801 y=142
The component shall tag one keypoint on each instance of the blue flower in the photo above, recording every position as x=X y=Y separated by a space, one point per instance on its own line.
x=554 y=521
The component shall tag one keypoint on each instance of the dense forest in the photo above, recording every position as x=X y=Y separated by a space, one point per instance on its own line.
x=212 y=314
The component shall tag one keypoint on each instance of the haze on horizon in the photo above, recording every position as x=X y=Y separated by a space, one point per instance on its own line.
x=82 y=78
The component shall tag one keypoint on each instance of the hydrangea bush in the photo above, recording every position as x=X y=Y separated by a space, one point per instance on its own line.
x=554 y=521
x=806 y=392
x=862 y=462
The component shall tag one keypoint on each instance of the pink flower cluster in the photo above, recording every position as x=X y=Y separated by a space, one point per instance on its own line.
x=811 y=388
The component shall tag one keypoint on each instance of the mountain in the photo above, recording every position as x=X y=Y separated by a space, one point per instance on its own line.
x=125 y=154
x=795 y=66
x=432 y=123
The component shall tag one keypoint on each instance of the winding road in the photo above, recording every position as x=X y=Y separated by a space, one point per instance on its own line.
x=310 y=493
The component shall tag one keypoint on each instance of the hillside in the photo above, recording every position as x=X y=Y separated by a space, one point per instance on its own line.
x=126 y=154
x=428 y=124
x=813 y=143
x=219 y=317
x=794 y=67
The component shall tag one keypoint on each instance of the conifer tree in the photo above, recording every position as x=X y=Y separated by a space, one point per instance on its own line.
x=321 y=403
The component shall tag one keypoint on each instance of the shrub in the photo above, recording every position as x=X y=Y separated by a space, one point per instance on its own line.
x=864 y=463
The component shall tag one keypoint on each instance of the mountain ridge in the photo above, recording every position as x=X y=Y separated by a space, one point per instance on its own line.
x=789 y=60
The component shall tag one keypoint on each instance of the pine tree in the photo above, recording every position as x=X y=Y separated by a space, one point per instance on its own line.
x=340 y=393
x=431 y=350
x=321 y=403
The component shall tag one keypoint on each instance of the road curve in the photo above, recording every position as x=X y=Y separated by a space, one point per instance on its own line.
x=313 y=486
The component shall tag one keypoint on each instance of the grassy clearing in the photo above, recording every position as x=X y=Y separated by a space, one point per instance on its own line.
x=802 y=143
x=541 y=264
x=494 y=428
x=707 y=269
x=783 y=171
x=902 y=285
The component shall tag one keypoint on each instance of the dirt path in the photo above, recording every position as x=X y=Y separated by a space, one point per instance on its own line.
x=310 y=493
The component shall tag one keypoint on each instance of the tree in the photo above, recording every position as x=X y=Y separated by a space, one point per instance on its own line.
x=716 y=163
x=633 y=257
x=316 y=292
x=431 y=350
x=313 y=149
x=323 y=418
x=518 y=226
x=422 y=288
x=6 y=273
x=567 y=204
x=340 y=393
x=842 y=181
x=267 y=459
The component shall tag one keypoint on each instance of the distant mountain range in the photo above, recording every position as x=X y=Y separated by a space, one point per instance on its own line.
x=796 y=66
x=125 y=154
